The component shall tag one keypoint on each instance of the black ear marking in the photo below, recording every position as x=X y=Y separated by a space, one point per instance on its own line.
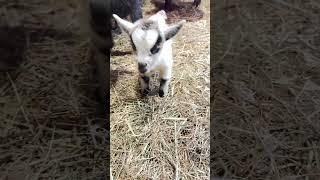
x=173 y=30
x=156 y=47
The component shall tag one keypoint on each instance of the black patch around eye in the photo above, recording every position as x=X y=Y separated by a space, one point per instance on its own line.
x=132 y=44
x=156 y=48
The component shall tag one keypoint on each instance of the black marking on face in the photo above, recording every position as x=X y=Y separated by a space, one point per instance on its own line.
x=156 y=47
x=147 y=25
x=142 y=67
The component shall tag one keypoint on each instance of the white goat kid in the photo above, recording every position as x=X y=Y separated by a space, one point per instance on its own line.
x=152 y=40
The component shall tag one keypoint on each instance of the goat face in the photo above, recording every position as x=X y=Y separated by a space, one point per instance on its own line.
x=149 y=37
x=148 y=44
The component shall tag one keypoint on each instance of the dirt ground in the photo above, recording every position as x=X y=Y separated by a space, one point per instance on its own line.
x=48 y=123
x=265 y=89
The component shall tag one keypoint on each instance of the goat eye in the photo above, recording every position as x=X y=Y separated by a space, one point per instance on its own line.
x=154 y=50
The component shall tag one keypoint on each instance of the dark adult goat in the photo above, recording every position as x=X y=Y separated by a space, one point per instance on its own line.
x=99 y=19
x=169 y=3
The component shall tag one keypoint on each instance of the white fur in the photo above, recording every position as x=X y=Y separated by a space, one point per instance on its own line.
x=144 y=40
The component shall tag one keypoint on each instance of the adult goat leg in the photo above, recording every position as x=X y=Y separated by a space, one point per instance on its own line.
x=101 y=44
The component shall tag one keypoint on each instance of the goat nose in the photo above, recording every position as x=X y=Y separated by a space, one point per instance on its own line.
x=142 y=67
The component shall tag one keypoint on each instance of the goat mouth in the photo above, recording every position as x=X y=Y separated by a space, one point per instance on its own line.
x=142 y=70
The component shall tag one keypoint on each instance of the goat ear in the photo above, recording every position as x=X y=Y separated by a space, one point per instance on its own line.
x=126 y=26
x=162 y=13
x=173 y=30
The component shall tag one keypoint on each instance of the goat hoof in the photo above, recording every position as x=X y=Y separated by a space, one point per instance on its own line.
x=161 y=93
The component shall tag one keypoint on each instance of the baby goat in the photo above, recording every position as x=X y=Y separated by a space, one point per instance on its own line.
x=152 y=40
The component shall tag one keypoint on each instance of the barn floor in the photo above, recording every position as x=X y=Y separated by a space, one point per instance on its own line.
x=49 y=128
x=164 y=138
x=266 y=101
x=265 y=97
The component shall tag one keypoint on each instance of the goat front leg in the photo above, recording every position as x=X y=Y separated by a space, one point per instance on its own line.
x=145 y=83
x=165 y=78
